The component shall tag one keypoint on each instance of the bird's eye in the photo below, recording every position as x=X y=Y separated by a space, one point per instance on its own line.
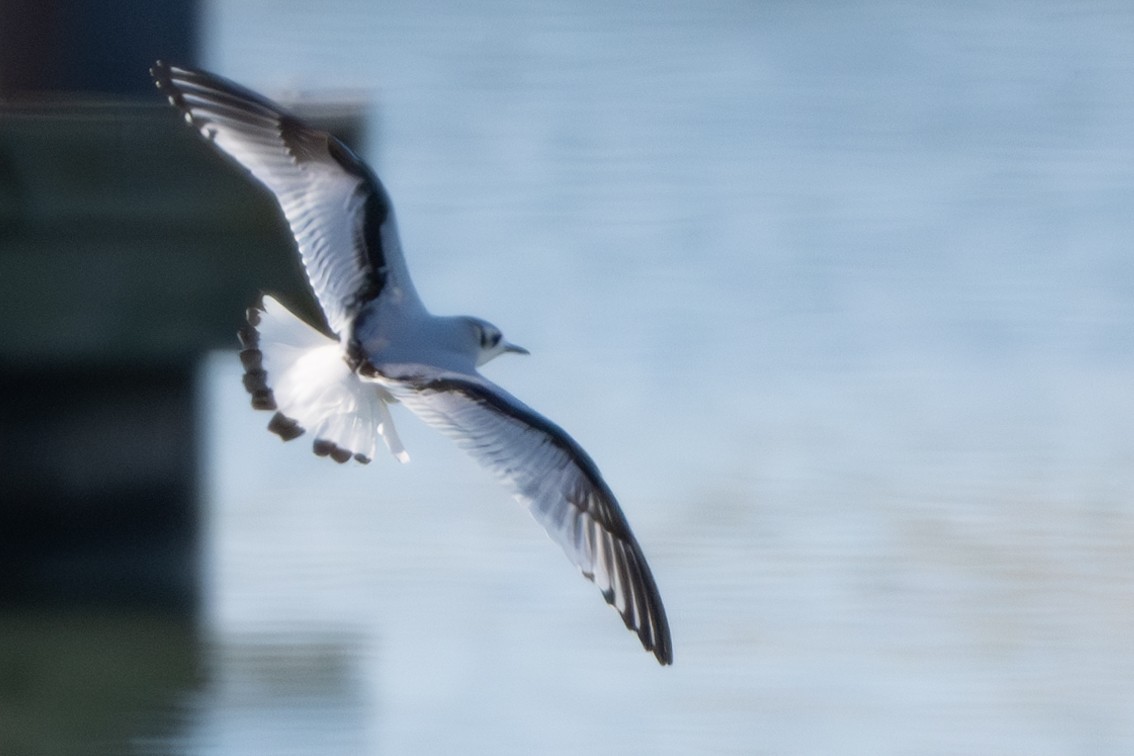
x=489 y=338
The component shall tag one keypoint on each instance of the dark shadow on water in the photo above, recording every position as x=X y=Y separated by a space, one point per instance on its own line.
x=93 y=682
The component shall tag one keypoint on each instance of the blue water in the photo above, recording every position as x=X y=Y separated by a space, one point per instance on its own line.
x=841 y=299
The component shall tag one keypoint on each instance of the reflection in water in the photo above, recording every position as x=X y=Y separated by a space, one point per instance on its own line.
x=82 y=681
x=287 y=694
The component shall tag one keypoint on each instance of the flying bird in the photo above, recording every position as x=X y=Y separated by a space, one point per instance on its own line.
x=389 y=349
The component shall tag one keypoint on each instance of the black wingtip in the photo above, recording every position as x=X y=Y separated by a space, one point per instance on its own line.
x=160 y=73
x=663 y=649
x=655 y=634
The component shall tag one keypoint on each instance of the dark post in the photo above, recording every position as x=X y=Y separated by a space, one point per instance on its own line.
x=127 y=250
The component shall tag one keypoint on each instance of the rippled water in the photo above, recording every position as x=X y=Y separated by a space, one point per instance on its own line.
x=841 y=300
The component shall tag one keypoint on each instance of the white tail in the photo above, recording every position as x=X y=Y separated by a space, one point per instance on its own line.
x=292 y=368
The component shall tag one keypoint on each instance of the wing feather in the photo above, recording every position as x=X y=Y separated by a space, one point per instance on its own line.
x=550 y=473
x=337 y=209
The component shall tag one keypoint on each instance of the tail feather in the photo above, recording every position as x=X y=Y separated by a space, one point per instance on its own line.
x=295 y=370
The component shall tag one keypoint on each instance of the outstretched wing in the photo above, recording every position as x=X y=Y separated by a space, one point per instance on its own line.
x=338 y=211
x=547 y=470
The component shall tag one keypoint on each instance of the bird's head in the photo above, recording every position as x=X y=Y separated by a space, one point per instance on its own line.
x=490 y=341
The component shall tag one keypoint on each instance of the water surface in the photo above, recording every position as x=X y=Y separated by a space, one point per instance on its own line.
x=840 y=299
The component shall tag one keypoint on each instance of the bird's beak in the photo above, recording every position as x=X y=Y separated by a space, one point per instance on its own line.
x=515 y=348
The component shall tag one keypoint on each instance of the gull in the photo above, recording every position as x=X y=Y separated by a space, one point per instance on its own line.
x=387 y=348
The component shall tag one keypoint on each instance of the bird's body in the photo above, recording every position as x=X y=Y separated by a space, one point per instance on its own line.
x=389 y=348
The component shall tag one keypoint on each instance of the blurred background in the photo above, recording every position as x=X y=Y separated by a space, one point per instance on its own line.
x=838 y=295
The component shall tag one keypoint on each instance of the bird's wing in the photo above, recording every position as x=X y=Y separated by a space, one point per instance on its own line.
x=550 y=473
x=338 y=211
